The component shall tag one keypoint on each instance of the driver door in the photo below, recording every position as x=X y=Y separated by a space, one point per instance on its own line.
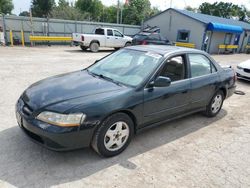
x=161 y=103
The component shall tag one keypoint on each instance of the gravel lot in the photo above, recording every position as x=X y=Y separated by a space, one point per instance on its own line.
x=191 y=152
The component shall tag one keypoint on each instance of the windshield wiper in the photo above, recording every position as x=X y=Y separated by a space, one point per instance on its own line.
x=109 y=79
x=104 y=77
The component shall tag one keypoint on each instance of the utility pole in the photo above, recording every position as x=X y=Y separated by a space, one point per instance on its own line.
x=31 y=23
x=121 y=14
x=171 y=2
x=118 y=7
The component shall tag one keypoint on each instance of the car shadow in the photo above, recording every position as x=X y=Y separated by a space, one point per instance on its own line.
x=26 y=164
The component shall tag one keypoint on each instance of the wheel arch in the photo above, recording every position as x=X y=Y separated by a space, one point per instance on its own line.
x=94 y=41
x=224 y=90
x=127 y=112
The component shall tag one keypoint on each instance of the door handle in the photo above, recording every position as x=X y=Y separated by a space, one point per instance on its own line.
x=108 y=38
x=185 y=91
x=116 y=38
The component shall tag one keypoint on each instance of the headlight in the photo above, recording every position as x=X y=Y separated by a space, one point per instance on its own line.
x=63 y=120
x=239 y=67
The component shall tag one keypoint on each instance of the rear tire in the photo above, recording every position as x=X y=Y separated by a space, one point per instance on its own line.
x=94 y=47
x=214 y=106
x=114 y=135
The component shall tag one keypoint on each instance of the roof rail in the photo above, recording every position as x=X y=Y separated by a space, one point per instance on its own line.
x=150 y=29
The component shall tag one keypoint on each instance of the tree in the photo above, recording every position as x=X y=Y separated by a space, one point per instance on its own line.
x=225 y=10
x=136 y=11
x=66 y=11
x=6 y=6
x=24 y=13
x=189 y=8
x=42 y=8
x=94 y=8
x=110 y=14
x=63 y=3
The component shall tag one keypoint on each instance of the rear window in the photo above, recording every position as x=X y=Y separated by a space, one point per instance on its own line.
x=154 y=37
x=99 y=31
x=140 y=36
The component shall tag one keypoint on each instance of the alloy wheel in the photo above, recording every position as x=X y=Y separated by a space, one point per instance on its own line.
x=116 y=136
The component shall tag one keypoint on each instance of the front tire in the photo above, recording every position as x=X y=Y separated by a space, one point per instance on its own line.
x=114 y=135
x=214 y=107
x=128 y=44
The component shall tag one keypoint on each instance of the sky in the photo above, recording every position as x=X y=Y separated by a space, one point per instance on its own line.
x=22 y=5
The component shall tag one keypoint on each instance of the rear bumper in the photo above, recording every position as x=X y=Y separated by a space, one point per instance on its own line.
x=77 y=43
x=59 y=139
x=231 y=91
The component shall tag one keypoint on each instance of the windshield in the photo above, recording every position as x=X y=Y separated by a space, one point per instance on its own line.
x=129 y=67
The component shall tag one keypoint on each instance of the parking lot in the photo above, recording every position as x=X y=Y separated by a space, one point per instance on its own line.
x=194 y=151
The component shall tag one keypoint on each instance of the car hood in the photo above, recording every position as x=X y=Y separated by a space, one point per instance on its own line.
x=65 y=87
x=245 y=64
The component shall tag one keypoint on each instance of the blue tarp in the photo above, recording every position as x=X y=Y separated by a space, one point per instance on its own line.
x=212 y=26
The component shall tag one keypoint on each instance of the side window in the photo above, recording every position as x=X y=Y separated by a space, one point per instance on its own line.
x=200 y=65
x=183 y=36
x=99 y=31
x=118 y=34
x=228 y=38
x=154 y=37
x=109 y=32
x=174 y=68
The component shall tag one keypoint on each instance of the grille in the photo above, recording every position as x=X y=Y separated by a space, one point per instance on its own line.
x=27 y=110
x=24 y=108
x=247 y=70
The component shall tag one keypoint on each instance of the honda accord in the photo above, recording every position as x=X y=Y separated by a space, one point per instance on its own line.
x=134 y=88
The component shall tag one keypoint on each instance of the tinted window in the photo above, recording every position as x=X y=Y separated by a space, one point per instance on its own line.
x=118 y=34
x=140 y=36
x=183 y=36
x=154 y=37
x=109 y=32
x=200 y=65
x=174 y=68
x=99 y=31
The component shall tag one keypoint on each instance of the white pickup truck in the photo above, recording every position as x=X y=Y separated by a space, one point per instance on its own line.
x=102 y=37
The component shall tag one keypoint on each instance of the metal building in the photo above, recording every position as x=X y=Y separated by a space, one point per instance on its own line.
x=210 y=33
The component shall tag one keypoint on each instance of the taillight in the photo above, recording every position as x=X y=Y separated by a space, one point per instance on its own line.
x=82 y=38
x=144 y=42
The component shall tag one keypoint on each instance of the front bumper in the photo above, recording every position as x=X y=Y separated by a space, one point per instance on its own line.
x=241 y=74
x=54 y=137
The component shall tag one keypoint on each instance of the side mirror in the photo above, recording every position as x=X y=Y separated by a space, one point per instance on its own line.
x=162 y=81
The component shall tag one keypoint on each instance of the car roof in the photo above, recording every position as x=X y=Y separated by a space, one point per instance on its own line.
x=163 y=49
x=144 y=33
